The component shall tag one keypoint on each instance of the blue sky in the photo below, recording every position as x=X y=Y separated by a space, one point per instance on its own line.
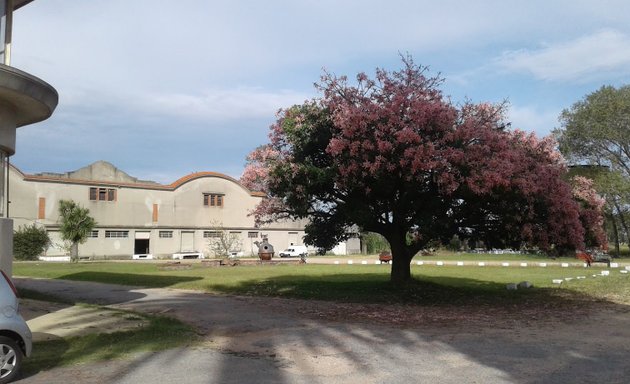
x=162 y=89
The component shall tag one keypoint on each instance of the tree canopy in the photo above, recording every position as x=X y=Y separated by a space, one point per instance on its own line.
x=595 y=137
x=393 y=156
x=596 y=130
x=76 y=224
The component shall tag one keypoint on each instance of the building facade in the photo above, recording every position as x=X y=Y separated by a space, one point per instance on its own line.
x=143 y=217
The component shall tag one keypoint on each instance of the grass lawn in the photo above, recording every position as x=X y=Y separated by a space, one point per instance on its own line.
x=351 y=283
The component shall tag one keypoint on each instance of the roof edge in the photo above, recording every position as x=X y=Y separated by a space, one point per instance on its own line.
x=162 y=187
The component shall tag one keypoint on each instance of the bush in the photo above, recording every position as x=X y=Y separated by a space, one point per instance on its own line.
x=374 y=243
x=30 y=242
x=455 y=244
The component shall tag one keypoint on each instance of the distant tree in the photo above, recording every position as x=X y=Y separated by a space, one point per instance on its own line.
x=395 y=157
x=76 y=224
x=591 y=209
x=222 y=242
x=29 y=242
x=595 y=132
x=614 y=188
x=374 y=243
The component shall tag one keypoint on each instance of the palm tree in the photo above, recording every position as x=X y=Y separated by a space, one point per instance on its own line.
x=76 y=224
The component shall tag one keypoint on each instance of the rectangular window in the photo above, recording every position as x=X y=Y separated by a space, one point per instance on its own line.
x=93 y=234
x=252 y=235
x=102 y=194
x=208 y=234
x=213 y=199
x=116 y=234
x=166 y=234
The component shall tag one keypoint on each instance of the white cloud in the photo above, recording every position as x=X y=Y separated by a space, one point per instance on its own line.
x=529 y=118
x=589 y=57
x=222 y=104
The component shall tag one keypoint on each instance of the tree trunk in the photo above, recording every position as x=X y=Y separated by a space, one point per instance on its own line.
x=615 y=234
x=401 y=268
x=401 y=271
x=623 y=221
x=74 y=252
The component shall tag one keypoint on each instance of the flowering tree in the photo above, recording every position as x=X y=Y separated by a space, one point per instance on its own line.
x=395 y=157
x=591 y=211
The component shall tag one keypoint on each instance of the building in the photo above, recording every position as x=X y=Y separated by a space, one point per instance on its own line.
x=143 y=217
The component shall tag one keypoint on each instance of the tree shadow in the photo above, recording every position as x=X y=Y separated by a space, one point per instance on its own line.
x=46 y=355
x=375 y=288
x=130 y=279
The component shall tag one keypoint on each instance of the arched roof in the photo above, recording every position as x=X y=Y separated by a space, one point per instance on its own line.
x=51 y=178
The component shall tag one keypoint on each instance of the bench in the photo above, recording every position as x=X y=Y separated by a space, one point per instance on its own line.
x=188 y=255
x=142 y=256
x=385 y=257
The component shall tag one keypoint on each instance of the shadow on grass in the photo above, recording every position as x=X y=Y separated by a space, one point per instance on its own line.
x=161 y=333
x=376 y=288
x=131 y=279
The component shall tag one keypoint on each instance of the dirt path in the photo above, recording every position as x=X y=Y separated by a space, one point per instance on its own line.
x=292 y=341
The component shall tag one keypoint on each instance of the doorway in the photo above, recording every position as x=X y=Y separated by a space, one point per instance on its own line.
x=141 y=244
x=187 y=241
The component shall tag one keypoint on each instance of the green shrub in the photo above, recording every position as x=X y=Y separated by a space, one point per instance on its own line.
x=455 y=244
x=374 y=243
x=30 y=241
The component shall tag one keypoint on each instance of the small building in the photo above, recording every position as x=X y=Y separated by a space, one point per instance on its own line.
x=144 y=217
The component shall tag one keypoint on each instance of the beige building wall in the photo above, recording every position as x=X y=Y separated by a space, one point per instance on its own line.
x=172 y=217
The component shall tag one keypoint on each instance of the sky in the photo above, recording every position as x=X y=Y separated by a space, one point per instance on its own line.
x=164 y=88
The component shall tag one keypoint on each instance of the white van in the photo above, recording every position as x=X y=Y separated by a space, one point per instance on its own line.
x=294 y=251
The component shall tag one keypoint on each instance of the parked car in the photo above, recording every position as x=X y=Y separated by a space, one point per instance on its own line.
x=295 y=251
x=16 y=340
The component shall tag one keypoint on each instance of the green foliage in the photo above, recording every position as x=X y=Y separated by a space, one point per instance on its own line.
x=455 y=244
x=374 y=242
x=29 y=242
x=595 y=129
x=595 y=134
x=76 y=224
